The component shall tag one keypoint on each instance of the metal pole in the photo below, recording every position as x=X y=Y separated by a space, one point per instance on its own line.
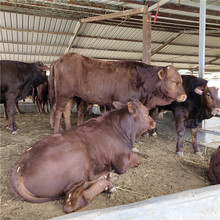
x=202 y=25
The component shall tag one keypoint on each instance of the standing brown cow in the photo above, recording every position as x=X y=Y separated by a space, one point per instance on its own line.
x=102 y=82
x=76 y=162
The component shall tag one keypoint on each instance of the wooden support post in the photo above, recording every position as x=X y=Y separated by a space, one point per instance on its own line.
x=75 y=32
x=146 y=57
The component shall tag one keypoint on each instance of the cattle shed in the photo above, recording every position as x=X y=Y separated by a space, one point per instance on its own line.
x=44 y=30
x=157 y=32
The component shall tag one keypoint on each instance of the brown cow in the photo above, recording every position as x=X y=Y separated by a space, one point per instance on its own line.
x=42 y=97
x=214 y=167
x=17 y=81
x=102 y=82
x=76 y=162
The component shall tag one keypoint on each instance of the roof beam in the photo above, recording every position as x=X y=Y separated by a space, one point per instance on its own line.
x=34 y=31
x=33 y=44
x=113 y=15
x=213 y=60
x=138 y=51
x=193 y=8
x=73 y=37
x=33 y=54
x=197 y=5
x=125 y=13
x=166 y=43
x=139 y=41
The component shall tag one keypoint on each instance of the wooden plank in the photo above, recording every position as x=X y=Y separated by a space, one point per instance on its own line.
x=166 y=43
x=146 y=53
x=114 y=15
x=75 y=32
x=126 y=13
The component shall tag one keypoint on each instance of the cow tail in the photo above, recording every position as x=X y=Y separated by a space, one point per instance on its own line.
x=51 y=95
x=18 y=187
x=51 y=86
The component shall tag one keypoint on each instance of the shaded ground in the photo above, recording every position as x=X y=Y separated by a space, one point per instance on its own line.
x=161 y=171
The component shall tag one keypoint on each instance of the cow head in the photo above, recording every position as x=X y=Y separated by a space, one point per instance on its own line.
x=41 y=67
x=143 y=121
x=40 y=76
x=171 y=84
x=210 y=98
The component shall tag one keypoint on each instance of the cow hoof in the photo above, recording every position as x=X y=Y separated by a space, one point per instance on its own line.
x=199 y=153
x=179 y=153
x=113 y=189
x=145 y=135
x=154 y=134
x=14 y=132
x=135 y=150
x=113 y=176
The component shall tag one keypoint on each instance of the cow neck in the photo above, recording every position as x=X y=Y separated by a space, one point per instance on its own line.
x=124 y=127
x=152 y=93
x=156 y=98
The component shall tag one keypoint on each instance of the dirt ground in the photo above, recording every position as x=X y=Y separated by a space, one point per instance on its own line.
x=161 y=171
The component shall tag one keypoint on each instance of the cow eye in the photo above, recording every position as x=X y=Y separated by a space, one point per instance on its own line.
x=208 y=94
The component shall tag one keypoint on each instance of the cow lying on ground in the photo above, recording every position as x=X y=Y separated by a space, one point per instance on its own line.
x=202 y=102
x=75 y=162
x=102 y=82
x=17 y=80
x=214 y=167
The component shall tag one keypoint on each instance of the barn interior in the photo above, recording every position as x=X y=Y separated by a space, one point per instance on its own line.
x=184 y=33
x=155 y=32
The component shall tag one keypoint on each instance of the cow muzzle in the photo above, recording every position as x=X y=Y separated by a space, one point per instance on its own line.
x=216 y=111
x=182 y=98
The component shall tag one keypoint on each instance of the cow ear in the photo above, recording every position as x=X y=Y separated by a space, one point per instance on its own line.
x=118 y=105
x=132 y=107
x=161 y=74
x=41 y=67
x=44 y=68
x=199 y=90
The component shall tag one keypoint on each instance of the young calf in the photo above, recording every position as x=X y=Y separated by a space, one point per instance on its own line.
x=76 y=162
x=214 y=168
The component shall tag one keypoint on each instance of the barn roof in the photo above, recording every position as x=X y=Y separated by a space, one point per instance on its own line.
x=43 y=30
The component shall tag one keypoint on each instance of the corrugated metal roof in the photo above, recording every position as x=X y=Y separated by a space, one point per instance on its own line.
x=45 y=36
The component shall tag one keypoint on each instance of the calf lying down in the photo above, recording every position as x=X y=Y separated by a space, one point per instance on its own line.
x=76 y=163
x=214 y=167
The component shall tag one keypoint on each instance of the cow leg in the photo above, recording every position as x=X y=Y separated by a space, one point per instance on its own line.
x=81 y=110
x=39 y=106
x=43 y=106
x=11 y=112
x=52 y=117
x=57 y=117
x=67 y=113
x=18 y=109
x=5 y=111
x=80 y=197
x=125 y=161
x=194 y=141
x=46 y=104
x=153 y=113
x=180 y=129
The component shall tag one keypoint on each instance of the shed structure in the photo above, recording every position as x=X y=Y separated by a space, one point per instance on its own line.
x=43 y=30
